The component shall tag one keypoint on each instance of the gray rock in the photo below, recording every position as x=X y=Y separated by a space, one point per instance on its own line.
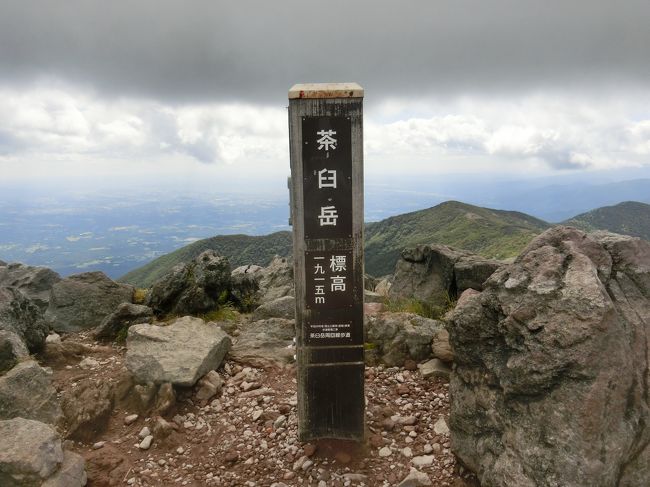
x=30 y=452
x=440 y=346
x=27 y=391
x=126 y=315
x=383 y=286
x=12 y=349
x=82 y=301
x=266 y=341
x=434 y=368
x=71 y=474
x=19 y=315
x=415 y=478
x=245 y=286
x=87 y=409
x=179 y=353
x=276 y=280
x=209 y=386
x=551 y=370
x=34 y=283
x=437 y=274
x=192 y=288
x=284 y=307
x=396 y=337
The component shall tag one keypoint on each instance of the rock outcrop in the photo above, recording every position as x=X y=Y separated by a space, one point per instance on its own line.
x=284 y=307
x=437 y=273
x=266 y=341
x=253 y=286
x=82 y=301
x=192 y=288
x=276 y=280
x=179 y=353
x=396 y=337
x=31 y=455
x=27 y=391
x=126 y=315
x=21 y=316
x=551 y=378
x=34 y=283
x=12 y=349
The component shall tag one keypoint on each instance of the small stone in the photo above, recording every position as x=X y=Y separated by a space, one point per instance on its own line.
x=145 y=444
x=422 y=461
x=257 y=414
x=144 y=432
x=388 y=424
x=440 y=427
x=130 y=419
x=428 y=448
x=98 y=445
x=180 y=450
x=415 y=478
x=385 y=452
x=88 y=363
x=407 y=452
x=53 y=338
x=279 y=421
x=355 y=477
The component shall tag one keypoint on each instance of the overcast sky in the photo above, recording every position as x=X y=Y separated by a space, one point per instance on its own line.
x=129 y=89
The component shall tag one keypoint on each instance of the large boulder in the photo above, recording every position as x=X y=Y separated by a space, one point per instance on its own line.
x=192 y=288
x=437 y=273
x=394 y=338
x=126 y=315
x=21 y=316
x=30 y=452
x=31 y=455
x=265 y=342
x=12 y=350
x=82 y=301
x=27 y=391
x=245 y=286
x=34 y=283
x=71 y=474
x=253 y=285
x=551 y=377
x=276 y=280
x=179 y=353
x=284 y=307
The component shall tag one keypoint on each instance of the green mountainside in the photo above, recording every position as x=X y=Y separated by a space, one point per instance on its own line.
x=628 y=218
x=240 y=250
x=492 y=233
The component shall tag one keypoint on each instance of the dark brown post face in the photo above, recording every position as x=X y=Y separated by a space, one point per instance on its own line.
x=326 y=145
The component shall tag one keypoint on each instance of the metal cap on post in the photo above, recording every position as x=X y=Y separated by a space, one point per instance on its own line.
x=326 y=147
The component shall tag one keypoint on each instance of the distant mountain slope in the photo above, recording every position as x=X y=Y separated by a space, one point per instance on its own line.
x=628 y=218
x=240 y=250
x=491 y=233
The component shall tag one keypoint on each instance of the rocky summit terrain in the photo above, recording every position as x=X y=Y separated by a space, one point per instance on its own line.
x=479 y=372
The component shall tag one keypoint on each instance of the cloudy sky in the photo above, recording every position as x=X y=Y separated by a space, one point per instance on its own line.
x=96 y=91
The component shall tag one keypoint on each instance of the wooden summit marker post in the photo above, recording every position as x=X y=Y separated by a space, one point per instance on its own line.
x=326 y=147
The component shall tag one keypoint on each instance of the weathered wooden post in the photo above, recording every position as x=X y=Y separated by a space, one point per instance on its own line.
x=326 y=146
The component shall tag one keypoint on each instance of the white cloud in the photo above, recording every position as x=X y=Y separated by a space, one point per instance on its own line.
x=64 y=131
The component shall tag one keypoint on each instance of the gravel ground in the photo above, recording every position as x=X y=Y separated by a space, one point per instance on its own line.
x=247 y=435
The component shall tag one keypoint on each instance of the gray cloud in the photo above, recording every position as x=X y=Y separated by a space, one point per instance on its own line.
x=254 y=50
